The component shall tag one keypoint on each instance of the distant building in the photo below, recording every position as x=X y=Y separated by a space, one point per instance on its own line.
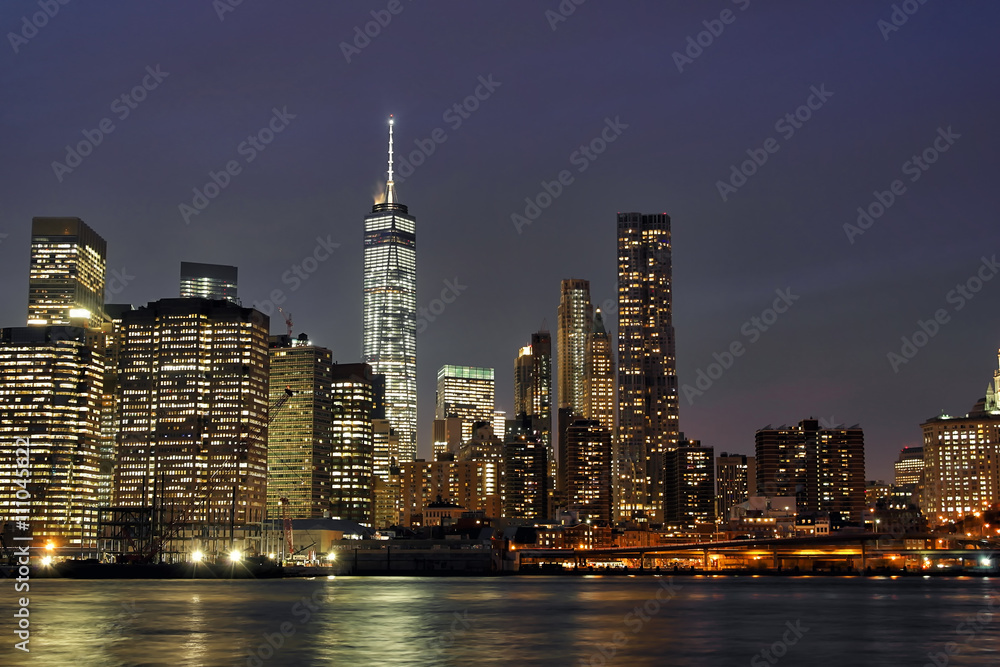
x=387 y=483
x=67 y=273
x=533 y=393
x=588 y=466
x=735 y=480
x=465 y=392
x=193 y=409
x=209 y=281
x=352 y=460
x=689 y=484
x=576 y=315
x=823 y=468
x=447 y=435
x=647 y=363
x=599 y=376
x=909 y=466
x=424 y=482
x=962 y=460
x=486 y=448
x=527 y=482
x=51 y=398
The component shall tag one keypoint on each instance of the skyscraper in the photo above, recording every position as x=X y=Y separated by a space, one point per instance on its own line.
x=209 y=281
x=576 y=315
x=647 y=366
x=193 y=410
x=352 y=472
x=66 y=273
x=466 y=392
x=527 y=478
x=736 y=481
x=599 y=376
x=299 y=439
x=824 y=468
x=51 y=391
x=390 y=309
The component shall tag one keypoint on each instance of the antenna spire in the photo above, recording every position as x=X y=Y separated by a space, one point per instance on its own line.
x=390 y=188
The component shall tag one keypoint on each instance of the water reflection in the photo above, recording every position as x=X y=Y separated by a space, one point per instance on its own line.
x=523 y=621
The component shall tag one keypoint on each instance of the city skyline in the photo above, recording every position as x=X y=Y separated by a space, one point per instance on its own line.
x=855 y=296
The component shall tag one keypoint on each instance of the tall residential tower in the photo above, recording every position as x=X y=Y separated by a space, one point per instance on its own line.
x=390 y=310
x=647 y=366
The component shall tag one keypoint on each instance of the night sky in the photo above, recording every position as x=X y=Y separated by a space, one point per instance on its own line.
x=682 y=125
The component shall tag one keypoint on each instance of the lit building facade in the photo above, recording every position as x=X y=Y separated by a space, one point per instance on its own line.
x=588 y=473
x=51 y=405
x=689 y=485
x=66 y=273
x=909 y=467
x=486 y=448
x=647 y=364
x=735 y=480
x=823 y=468
x=599 y=376
x=299 y=438
x=425 y=482
x=193 y=410
x=352 y=460
x=390 y=310
x=209 y=281
x=385 y=466
x=527 y=482
x=465 y=392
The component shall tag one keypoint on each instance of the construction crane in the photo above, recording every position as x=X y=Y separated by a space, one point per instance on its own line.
x=286 y=526
x=177 y=524
x=288 y=320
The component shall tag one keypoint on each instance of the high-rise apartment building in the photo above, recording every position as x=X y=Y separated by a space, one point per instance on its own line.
x=51 y=408
x=961 y=472
x=909 y=467
x=209 y=281
x=193 y=409
x=385 y=465
x=575 y=318
x=690 y=484
x=735 y=481
x=527 y=480
x=465 y=392
x=599 y=376
x=299 y=438
x=588 y=470
x=352 y=461
x=647 y=364
x=824 y=468
x=533 y=393
x=390 y=309
x=66 y=273
x=424 y=482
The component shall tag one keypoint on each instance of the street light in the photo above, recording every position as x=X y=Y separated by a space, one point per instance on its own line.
x=197 y=556
x=235 y=556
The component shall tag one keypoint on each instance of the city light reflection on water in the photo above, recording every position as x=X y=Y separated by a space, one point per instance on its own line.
x=515 y=620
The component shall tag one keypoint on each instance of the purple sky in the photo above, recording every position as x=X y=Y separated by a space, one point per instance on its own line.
x=784 y=228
